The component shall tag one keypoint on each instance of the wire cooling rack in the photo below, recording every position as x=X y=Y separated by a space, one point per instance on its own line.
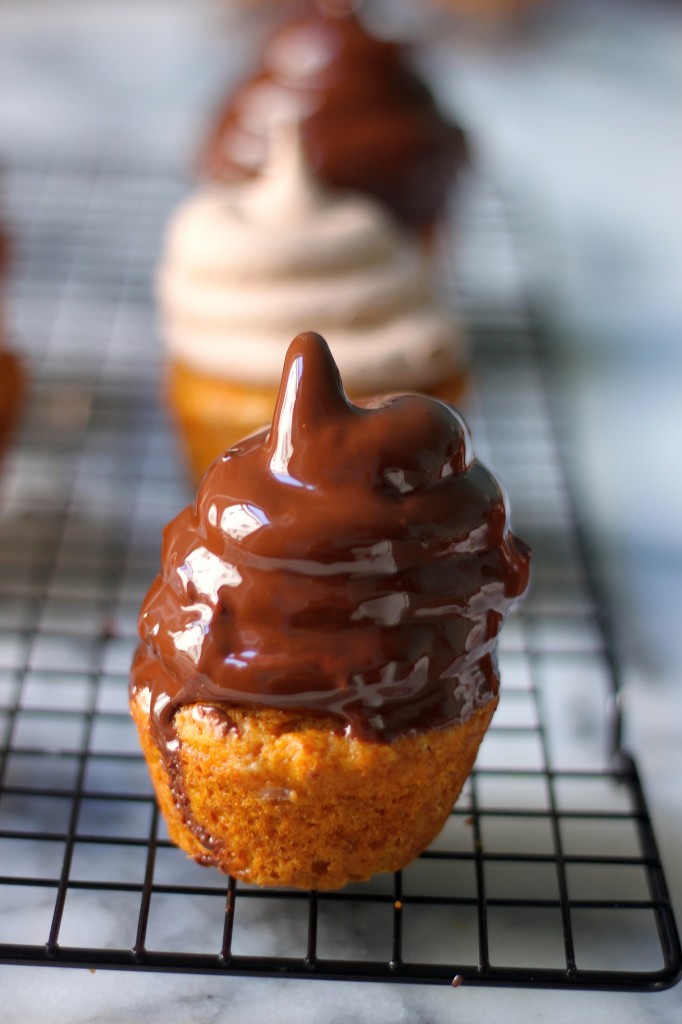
x=547 y=872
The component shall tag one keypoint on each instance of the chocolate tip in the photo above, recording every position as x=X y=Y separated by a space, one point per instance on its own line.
x=310 y=368
x=310 y=392
x=307 y=341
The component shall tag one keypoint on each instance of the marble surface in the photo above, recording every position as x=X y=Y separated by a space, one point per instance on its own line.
x=577 y=115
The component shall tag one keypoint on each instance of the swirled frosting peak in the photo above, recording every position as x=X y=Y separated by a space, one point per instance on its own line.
x=247 y=266
x=354 y=561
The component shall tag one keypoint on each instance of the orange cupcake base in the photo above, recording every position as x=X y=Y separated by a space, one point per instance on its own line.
x=279 y=798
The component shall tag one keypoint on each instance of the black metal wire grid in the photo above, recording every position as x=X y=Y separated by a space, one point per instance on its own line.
x=547 y=872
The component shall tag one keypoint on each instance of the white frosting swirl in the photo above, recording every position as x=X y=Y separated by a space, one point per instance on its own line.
x=249 y=266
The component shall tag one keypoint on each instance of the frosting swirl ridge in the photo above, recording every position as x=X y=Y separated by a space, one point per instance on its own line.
x=353 y=560
x=248 y=265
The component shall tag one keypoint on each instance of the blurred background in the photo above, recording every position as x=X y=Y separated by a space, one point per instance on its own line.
x=575 y=108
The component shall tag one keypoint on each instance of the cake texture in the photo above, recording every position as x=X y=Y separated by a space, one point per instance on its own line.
x=247 y=266
x=317 y=659
x=369 y=122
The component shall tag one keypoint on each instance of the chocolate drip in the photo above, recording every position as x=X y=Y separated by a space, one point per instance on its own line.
x=368 y=122
x=353 y=561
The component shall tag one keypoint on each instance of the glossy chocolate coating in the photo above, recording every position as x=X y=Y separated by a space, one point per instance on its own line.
x=367 y=121
x=353 y=561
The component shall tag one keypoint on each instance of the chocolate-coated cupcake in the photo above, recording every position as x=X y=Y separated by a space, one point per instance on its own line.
x=317 y=664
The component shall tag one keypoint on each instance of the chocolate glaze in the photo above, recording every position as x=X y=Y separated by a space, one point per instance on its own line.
x=352 y=561
x=367 y=121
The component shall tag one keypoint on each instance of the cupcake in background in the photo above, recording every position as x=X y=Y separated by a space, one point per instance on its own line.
x=11 y=372
x=368 y=122
x=248 y=265
x=484 y=13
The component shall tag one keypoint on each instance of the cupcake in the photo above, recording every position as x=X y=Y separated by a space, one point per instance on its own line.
x=369 y=123
x=11 y=373
x=317 y=664
x=249 y=265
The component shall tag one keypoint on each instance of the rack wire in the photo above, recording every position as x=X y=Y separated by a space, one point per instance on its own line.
x=547 y=872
